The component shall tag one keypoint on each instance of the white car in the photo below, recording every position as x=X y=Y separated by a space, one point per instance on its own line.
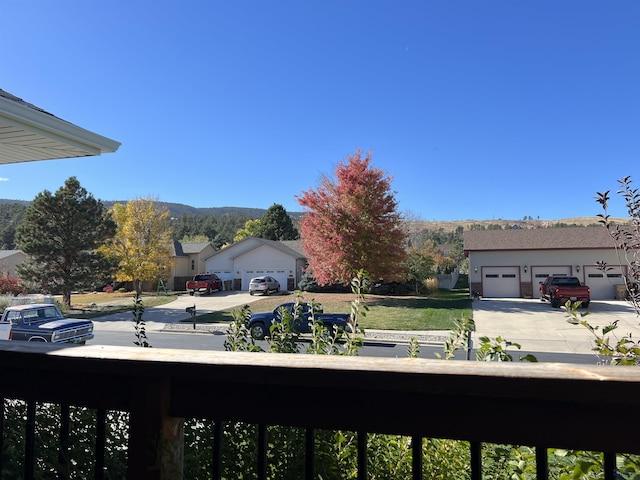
x=264 y=285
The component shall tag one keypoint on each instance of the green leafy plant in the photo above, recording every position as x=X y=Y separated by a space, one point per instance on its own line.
x=283 y=337
x=625 y=237
x=458 y=339
x=239 y=338
x=413 y=348
x=497 y=349
x=140 y=325
x=608 y=348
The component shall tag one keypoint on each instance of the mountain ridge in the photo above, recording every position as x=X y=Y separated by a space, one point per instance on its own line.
x=177 y=209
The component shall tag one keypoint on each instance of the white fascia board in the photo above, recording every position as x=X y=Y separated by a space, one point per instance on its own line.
x=50 y=126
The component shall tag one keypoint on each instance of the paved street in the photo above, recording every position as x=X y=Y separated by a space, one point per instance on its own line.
x=535 y=325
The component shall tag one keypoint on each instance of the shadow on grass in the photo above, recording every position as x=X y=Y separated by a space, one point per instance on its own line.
x=224 y=316
x=444 y=299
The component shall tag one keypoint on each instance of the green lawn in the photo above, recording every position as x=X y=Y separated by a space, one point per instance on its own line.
x=437 y=312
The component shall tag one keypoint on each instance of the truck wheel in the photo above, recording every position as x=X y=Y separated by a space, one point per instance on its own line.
x=585 y=304
x=258 y=331
x=192 y=293
x=208 y=290
x=555 y=303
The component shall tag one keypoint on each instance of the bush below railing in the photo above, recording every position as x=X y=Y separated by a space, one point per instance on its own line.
x=549 y=405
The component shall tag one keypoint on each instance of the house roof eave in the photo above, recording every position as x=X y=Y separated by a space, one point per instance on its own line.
x=28 y=133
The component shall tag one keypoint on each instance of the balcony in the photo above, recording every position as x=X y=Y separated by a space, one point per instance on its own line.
x=541 y=405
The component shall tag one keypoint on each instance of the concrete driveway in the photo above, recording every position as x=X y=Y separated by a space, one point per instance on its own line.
x=156 y=318
x=538 y=327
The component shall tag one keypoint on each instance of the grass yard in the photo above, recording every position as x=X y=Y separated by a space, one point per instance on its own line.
x=438 y=312
x=92 y=305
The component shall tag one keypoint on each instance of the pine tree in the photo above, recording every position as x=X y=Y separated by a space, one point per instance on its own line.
x=276 y=224
x=352 y=224
x=61 y=234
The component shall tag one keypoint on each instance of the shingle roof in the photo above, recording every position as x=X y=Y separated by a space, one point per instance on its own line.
x=194 y=247
x=538 y=239
x=8 y=253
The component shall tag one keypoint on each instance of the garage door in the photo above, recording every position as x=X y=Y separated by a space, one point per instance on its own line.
x=501 y=282
x=602 y=284
x=539 y=274
x=278 y=274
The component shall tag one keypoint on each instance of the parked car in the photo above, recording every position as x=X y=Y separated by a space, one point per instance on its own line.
x=45 y=323
x=260 y=323
x=204 y=282
x=558 y=289
x=264 y=285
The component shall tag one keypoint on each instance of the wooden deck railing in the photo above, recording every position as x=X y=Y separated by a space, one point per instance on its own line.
x=549 y=405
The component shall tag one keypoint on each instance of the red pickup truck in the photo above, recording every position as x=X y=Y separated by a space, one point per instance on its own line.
x=560 y=289
x=204 y=282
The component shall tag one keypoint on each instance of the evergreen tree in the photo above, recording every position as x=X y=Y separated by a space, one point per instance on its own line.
x=276 y=224
x=61 y=234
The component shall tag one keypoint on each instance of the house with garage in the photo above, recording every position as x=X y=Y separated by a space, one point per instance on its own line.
x=513 y=263
x=188 y=260
x=254 y=257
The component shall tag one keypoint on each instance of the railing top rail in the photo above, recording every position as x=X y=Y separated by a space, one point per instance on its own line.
x=525 y=403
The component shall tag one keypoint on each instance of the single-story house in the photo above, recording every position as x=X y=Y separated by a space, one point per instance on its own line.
x=254 y=257
x=188 y=260
x=8 y=261
x=513 y=263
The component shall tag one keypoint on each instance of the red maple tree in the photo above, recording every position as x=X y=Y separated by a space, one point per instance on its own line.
x=351 y=223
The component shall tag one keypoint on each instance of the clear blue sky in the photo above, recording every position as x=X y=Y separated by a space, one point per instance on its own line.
x=477 y=109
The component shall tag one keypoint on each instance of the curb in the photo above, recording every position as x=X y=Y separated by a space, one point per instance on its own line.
x=426 y=338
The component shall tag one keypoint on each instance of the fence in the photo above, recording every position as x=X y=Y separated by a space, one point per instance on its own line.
x=542 y=405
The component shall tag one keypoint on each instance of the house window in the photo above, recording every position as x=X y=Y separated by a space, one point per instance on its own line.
x=193 y=264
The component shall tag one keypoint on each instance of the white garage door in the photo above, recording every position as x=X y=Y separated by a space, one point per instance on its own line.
x=539 y=274
x=501 y=282
x=602 y=284
x=278 y=274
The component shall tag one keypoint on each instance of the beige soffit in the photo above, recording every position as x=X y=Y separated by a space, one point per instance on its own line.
x=28 y=133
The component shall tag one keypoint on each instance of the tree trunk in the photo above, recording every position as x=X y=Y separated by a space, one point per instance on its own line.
x=66 y=299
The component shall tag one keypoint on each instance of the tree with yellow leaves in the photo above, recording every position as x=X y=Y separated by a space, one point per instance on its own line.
x=143 y=245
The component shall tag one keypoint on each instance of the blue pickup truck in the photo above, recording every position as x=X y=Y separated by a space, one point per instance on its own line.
x=260 y=323
x=43 y=322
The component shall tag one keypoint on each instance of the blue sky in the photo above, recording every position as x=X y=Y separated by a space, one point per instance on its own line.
x=477 y=109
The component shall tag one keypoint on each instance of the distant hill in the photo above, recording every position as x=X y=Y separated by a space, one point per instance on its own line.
x=452 y=225
x=177 y=209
